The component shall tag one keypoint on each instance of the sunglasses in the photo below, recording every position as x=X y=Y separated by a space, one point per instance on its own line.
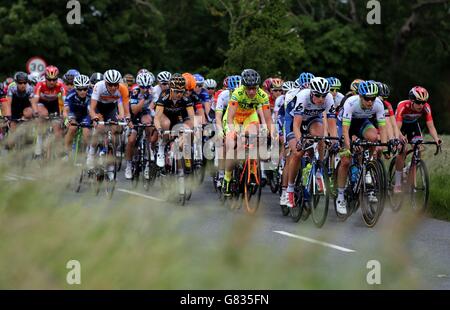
x=82 y=89
x=251 y=88
x=21 y=83
x=178 y=91
x=334 y=90
x=419 y=102
x=165 y=84
x=112 y=84
x=69 y=84
x=279 y=90
x=51 y=80
x=199 y=85
x=211 y=88
x=369 y=98
x=145 y=87
x=317 y=95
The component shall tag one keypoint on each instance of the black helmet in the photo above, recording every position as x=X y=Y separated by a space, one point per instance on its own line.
x=21 y=77
x=250 y=78
x=96 y=77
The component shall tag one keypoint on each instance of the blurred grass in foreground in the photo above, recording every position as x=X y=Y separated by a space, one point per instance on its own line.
x=129 y=243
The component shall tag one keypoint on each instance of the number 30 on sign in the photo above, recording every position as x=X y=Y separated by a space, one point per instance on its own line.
x=36 y=64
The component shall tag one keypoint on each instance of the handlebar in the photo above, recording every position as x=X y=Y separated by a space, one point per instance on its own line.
x=418 y=142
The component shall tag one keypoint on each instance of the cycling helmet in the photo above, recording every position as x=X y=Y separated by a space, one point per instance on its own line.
x=319 y=85
x=51 y=72
x=418 y=93
x=288 y=85
x=276 y=83
x=129 y=78
x=225 y=82
x=354 y=85
x=367 y=88
x=250 y=77
x=190 y=81
x=177 y=82
x=334 y=83
x=96 y=77
x=81 y=81
x=304 y=79
x=383 y=90
x=234 y=82
x=144 y=80
x=210 y=83
x=73 y=72
x=267 y=84
x=21 y=77
x=113 y=76
x=68 y=78
x=164 y=77
x=199 y=78
x=34 y=77
x=153 y=77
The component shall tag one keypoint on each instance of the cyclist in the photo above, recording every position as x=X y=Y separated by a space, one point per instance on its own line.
x=304 y=79
x=129 y=80
x=275 y=90
x=202 y=94
x=18 y=100
x=34 y=78
x=233 y=82
x=76 y=110
x=407 y=116
x=95 y=78
x=392 y=130
x=210 y=107
x=140 y=103
x=244 y=112
x=46 y=97
x=357 y=114
x=68 y=79
x=310 y=104
x=163 y=79
x=105 y=107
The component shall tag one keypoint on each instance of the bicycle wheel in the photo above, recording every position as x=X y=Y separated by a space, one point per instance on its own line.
x=111 y=175
x=80 y=181
x=320 y=199
x=136 y=169
x=419 y=187
x=296 y=212
x=274 y=180
x=350 y=201
x=252 y=186
x=120 y=150
x=395 y=200
x=371 y=197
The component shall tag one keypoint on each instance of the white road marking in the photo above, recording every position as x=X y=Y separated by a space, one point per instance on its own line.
x=9 y=178
x=140 y=195
x=23 y=177
x=328 y=245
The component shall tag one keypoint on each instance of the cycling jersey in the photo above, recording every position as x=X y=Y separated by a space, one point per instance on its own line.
x=156 y=92
x=19 y=100
x=353 y=110
x=406 y=114
x=388 y=110
x=103 y=96
x=135 y=98
x=307 y=109
x=246 y=106
x=338 y=99
x=279 y=108
x=47 y=94
x=176 y=111
x=78 y=107
x=222 y=100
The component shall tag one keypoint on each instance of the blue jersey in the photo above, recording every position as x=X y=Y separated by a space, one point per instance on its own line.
x=78 y=106
x=204 y=96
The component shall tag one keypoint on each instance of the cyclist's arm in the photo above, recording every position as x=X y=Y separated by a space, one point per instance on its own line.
x=136 y=108
x=297 y=125
x=346 y=134
x=93 y=108
x=125 y=99
x=34 y=101
x=159 y=112
x=331 y=126
x=232 y=108
x=191 y=114
x=261 y=116
x=432 y=130
x=219 y=115
x=121 y=110
x=7 y=106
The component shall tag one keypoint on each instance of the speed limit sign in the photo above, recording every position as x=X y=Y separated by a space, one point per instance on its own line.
x=36 y=64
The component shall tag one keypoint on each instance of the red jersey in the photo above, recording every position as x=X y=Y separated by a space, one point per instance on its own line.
x=46 y=94
x=406 y=114
x=389 y=111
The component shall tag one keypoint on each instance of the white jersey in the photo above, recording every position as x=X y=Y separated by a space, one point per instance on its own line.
x=290 y=98
x=102 y=95
x=352 y=109
x=278 y=103
x=222 y=100
x=307 y=109
x=338 y=99
x=156 y=92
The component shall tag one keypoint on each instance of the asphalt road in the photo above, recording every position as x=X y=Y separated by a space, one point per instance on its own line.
x=424 y=245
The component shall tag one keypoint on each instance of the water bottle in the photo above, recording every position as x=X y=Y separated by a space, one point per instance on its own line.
x=354 y=174
x=319 y=180
x=305 y=173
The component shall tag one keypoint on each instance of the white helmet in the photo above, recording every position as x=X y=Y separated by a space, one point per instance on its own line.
x=112 y=76
x=319 y=85
x=152 y=76
x=144 y=80
x=34 y=77
x=164 y=76
x=210 y=83
x=288 y=85
x=81 y=81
